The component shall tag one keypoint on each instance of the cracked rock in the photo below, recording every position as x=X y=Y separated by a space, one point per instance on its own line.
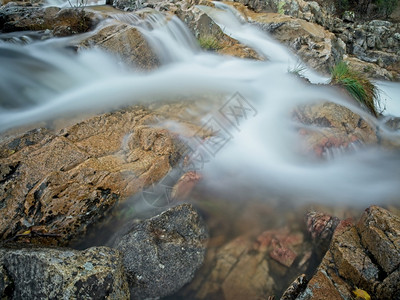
x=364 y=256
x=54 y=186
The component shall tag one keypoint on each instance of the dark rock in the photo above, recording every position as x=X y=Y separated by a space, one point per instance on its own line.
x=295 y=288
x=38 y=273
x=162 y=254
x=64 y=21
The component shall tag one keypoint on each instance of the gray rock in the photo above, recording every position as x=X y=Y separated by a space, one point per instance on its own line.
x=44 y=273
x=161 y=254
x=380 y=23
x=348 y=16
x=128 y=5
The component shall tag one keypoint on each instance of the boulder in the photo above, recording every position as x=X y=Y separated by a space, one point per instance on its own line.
x=63 y=22
x=124 y=41
x=316 y=46
x=364 y=256
x=372 y=70
x=162 y=254
x=37 y=273
x=55 y=185
x=203 y=27
x=334 y=127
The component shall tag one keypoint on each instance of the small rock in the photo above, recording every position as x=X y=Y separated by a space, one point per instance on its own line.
x=295 y=288
x=162 y=254
x=321 y=227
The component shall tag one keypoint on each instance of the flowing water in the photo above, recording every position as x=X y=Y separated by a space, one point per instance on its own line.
x=44 y=80
x=257 y=156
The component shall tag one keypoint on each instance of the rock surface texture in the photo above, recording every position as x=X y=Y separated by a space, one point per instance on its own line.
x=62 y=22
x=333 y=127
x=126 y=42
x=161 y=254
x=364 y=256
x=56 y=185
x=43 y=273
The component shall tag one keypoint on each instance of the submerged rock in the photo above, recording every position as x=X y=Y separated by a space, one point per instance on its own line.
x=364 y=256
x=330 y=127
x=38 y=273
x=251 y=267
x=162 y=254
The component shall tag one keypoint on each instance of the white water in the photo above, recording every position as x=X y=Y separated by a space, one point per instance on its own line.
x=263 y=154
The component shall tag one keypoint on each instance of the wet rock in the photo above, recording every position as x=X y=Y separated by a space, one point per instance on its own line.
x=295 y=288
x=321 y=227
x=318 y=47
x=37 y=273
x=251 y=267
x=126 y=42
x=66 y=21
x=364 y=256
x=203 y=27
x=54 y=186
x=335 y=128
x=380 y=234
x=162 y=254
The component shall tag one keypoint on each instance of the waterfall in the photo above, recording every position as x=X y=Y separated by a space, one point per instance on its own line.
x=40 y=82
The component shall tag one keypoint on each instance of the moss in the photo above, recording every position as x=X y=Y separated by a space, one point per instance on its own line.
x=209 y=42
x=357 y=85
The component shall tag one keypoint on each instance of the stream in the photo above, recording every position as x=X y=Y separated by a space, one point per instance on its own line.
x=258 y=157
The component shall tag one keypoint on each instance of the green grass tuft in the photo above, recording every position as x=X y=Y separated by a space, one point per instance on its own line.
x=209 y=42
x=357 y=85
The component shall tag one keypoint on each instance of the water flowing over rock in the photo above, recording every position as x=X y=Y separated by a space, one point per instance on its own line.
x=364 y=256
x=56 y=185
x=126 y=42
x=161 y=254
x=334 y=127
x=38 y=273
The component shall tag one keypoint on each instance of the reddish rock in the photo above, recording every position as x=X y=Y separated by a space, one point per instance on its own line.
x=185 y=185
x=282 y=254
x=321 y=227
x=334 y=128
